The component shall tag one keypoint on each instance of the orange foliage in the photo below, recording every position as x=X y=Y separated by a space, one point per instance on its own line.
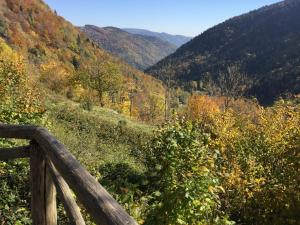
x=55 y=75
x=201 y=107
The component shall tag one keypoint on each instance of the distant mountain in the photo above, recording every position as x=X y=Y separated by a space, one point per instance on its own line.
x=177 y=40
x=137 y=50
x=264 y=42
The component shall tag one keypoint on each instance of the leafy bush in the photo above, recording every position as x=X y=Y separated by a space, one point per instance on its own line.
x=37 y=51
x=187 y=186
x=260 y=163
x=87 y=103
x=2 y=28
x=14 y=193
x=202 y=108
x=251 y=158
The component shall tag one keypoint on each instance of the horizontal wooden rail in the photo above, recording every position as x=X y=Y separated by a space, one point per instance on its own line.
x=14 y=153
x=17 y=131
x=102 y=207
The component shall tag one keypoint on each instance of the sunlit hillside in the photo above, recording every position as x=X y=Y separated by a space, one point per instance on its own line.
x=57 y=51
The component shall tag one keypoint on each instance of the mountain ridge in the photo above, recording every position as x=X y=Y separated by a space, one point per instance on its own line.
x=177 y=40
x=137 y=50
x=263 y=42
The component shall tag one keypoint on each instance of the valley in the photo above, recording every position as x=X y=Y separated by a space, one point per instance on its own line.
x=178 y=130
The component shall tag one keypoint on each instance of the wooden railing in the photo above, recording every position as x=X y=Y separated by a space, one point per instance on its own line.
x=54 y=169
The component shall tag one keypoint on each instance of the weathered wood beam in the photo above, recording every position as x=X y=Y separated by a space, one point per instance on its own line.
x=37 y=172
x=17 y=131
x=98 y=202
x=65 y=195
x=50 y=199
x=43 y=194
x=14 y=153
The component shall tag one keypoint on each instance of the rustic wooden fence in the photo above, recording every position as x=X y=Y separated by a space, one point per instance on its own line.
x=54 y=169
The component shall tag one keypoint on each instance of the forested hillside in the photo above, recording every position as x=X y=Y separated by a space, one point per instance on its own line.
x=64 y=60
x=176 y=40
x=264 y=43
x=137 y=50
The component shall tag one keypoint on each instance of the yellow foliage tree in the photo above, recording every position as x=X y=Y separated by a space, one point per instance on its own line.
x=201 y=107
x=55 y=75
x=19 y=100
x=260 y=161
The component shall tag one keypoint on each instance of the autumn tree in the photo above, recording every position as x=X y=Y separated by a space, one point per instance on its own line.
x=55 y=75
x=19 y=100
x=102 y=77
x=132 y=93
x=200 y=107
x=232 y=84
x=156 y=106
x=193 y=86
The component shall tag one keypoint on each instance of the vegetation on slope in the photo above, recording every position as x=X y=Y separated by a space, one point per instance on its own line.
x=263 y=43
x=234 y=162
x=137 y=50
x=57 y=52
x=100 y=138
x=176 y=40
x=240 y=165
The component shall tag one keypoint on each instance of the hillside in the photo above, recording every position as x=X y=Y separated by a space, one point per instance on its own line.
x=57 y=53
x=137 y=50
x=265 y=43
x=176 y=40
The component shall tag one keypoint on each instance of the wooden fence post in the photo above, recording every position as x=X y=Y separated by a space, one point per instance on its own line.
x=65 y=194
x=50 y=197
x=43 y=194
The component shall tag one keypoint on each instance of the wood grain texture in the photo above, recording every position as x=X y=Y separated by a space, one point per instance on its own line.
x=65 y=195
x=17 y=131
x=50 y=198
x=14 y=153
x=37 y=172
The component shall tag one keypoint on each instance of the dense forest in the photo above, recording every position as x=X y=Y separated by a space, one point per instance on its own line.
x=264 y=43
x=176 y=40
x=137 y=50
x=210 y=155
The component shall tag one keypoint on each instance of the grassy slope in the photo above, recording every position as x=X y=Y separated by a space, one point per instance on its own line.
x=97 y=137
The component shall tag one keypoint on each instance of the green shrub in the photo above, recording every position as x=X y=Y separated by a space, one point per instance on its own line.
x=183 y=172
x=14 y=192
x=3 y=28
x=37 y=52
x=87 y=104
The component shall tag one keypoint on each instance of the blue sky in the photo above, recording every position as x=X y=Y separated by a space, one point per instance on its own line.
x=187 y=17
